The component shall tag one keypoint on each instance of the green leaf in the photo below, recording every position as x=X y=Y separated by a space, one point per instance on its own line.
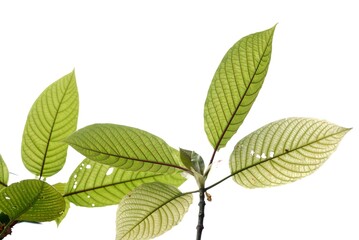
x=284 y=151
x=31 y=200
x=150 y=210
x=60 y=187
x=4 y=174
x=127 y=148
x=192 y=160
x=51 y=119
x=235 y=86
x=95 y=185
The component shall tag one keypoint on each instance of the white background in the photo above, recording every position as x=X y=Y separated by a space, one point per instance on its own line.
x=148 y=64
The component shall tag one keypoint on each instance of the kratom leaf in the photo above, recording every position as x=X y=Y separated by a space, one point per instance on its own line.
x=192 y=160
x=235 y=86
x=4 y=174
x=60 y=187
x=127 y=148
x=51 y=119
x=284 y=151
x=31 y=200
x=150 y=210
x=95 y=185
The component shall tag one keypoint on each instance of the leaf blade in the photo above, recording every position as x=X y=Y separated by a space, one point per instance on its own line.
x=284 y=151
x=235 y=86
x=95 y=185
x=52 y=117
x=4 y=173
x=126 y=147
x=150 y=210
x=31 y=200
x=60 y=187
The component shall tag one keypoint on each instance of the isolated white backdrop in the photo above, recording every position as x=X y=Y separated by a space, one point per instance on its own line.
x=148 y=64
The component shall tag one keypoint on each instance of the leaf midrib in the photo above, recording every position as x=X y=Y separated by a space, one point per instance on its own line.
x=240 y=102
x=287 y=152
x=33 y=201
x=130 y=158
x=51 y=130
x=108 y=185
x=156 y=209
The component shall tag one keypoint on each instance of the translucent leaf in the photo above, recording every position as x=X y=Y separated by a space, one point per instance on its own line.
x=60 y=187
x=31 y=200
x=284 y=151
x=51 y=119
x=150 y=210
x=95 y=185
x=4 y=174
x=126 y=147
x=235 y=86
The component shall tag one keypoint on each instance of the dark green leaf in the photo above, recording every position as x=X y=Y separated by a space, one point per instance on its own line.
x=31 y=200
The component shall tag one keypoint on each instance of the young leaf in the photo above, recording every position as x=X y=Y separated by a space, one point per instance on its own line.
x=235 y=86
x=284 y=151
x=127 y=148
x=31 y=200
x=51 y=119
x=95 y=185
x=192 y=160
x=150 y=210
x=4 y=173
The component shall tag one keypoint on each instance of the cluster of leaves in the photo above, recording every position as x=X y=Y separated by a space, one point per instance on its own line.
x=140 y=172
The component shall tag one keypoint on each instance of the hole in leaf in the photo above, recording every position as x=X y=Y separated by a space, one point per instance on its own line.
x=88 y=166
x=109 y=171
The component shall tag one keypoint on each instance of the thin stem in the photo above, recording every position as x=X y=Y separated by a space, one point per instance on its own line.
x=236 y=172
x=201 y=205
x=222 y=180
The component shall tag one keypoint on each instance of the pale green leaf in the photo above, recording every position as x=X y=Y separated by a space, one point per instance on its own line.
x=51 y=119
x=4 y=174
x=235 y=86
x=127 y=148
x=284 y=151
x=150 y=210
x=95 y=185
x=31 y=200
